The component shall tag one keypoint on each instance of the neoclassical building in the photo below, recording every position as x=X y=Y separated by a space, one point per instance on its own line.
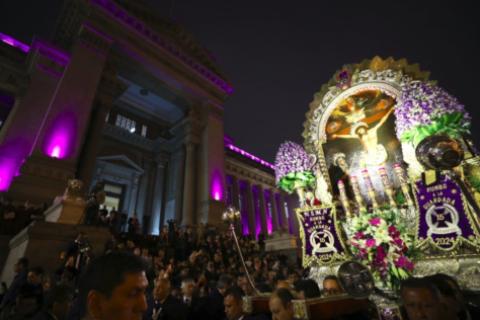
x=123 y=96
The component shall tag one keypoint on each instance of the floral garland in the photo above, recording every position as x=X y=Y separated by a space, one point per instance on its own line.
x=292 y=167
x=381 y=241
x=428 y=109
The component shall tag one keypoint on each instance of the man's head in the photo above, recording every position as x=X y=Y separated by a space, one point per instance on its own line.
x=281 y=305
x=224 y=283
x=233 y=303
x=113 y=287
x=331 y=286
x=307 y=289
x=35 y=276
x=21 y=265
x=242 y=283
x=188 y=287
x=162 y=289
x=450 y=293
x=421 y=300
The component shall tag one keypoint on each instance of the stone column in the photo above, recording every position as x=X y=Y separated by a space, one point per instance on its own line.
x=250 y=209
x=176 y=175
x=292 y=205
x=211 y=167
x=158 y=199
x=282 y=213
x=274 y=211
x=235 y=193
x=24 y=123
x=263 y=214
x=134 y=194
x=188 y=217
x=109 y=89
x=71 y=105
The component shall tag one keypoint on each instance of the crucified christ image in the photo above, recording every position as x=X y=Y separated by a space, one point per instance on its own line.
x=375 y=153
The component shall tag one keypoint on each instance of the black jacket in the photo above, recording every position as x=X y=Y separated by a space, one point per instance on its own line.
x=170 y=309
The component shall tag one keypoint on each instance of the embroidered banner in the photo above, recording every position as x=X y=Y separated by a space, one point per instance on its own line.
x=321 y=241
x=442 y=213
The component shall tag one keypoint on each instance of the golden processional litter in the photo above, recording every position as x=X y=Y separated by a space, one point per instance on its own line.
x=388 y=176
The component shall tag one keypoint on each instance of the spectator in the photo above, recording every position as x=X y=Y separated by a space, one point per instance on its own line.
x=113 y=287
x=28 y=303
x=57 y=304
x=21 y=271
x=422 y=300
x=188 y=287
x=234 y=304
x=166 y=307
x=452 y=297
x=216 y=297
x=35 y=280
x=307 y=289
x=331 y=286
x=281 y=305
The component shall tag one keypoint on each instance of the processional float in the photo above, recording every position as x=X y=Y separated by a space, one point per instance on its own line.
x=388 y=177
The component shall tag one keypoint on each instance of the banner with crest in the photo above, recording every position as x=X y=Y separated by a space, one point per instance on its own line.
x=444 y=217
x=321 y=238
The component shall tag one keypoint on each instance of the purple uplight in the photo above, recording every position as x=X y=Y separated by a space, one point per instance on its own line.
x=217 y=186
x=59 y=140
x=249 y=155
x=8 y=170
x=12 y=156
x=14 y=42
x=258 y=218
x=268 y=211
x=243 y=208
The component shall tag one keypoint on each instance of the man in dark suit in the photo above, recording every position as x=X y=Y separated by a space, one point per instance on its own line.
x=216 y=309
x=234 y=306
x=21 y=271
x=166 y=307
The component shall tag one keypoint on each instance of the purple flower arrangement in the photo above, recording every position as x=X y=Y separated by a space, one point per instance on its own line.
x=427 y=109
x=293 y=167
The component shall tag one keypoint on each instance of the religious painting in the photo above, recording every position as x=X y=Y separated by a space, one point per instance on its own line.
x=360 y=134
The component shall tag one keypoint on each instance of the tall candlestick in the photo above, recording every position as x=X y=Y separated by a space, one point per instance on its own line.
x=399 y=172
x=343 y=198
x=356 y=192
x=370 y=189
x=387 y=186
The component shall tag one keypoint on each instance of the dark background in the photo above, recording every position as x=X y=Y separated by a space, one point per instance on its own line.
x=277 y=54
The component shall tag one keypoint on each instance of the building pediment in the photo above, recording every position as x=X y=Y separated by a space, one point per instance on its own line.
x=122 y=161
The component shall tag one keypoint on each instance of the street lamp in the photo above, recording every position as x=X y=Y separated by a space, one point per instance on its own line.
x=231 y=216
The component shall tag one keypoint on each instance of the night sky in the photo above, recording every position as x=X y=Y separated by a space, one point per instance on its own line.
x=278 y=54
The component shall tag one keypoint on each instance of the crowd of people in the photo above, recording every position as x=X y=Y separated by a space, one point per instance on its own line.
x=13 y=218
x=190 y=274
